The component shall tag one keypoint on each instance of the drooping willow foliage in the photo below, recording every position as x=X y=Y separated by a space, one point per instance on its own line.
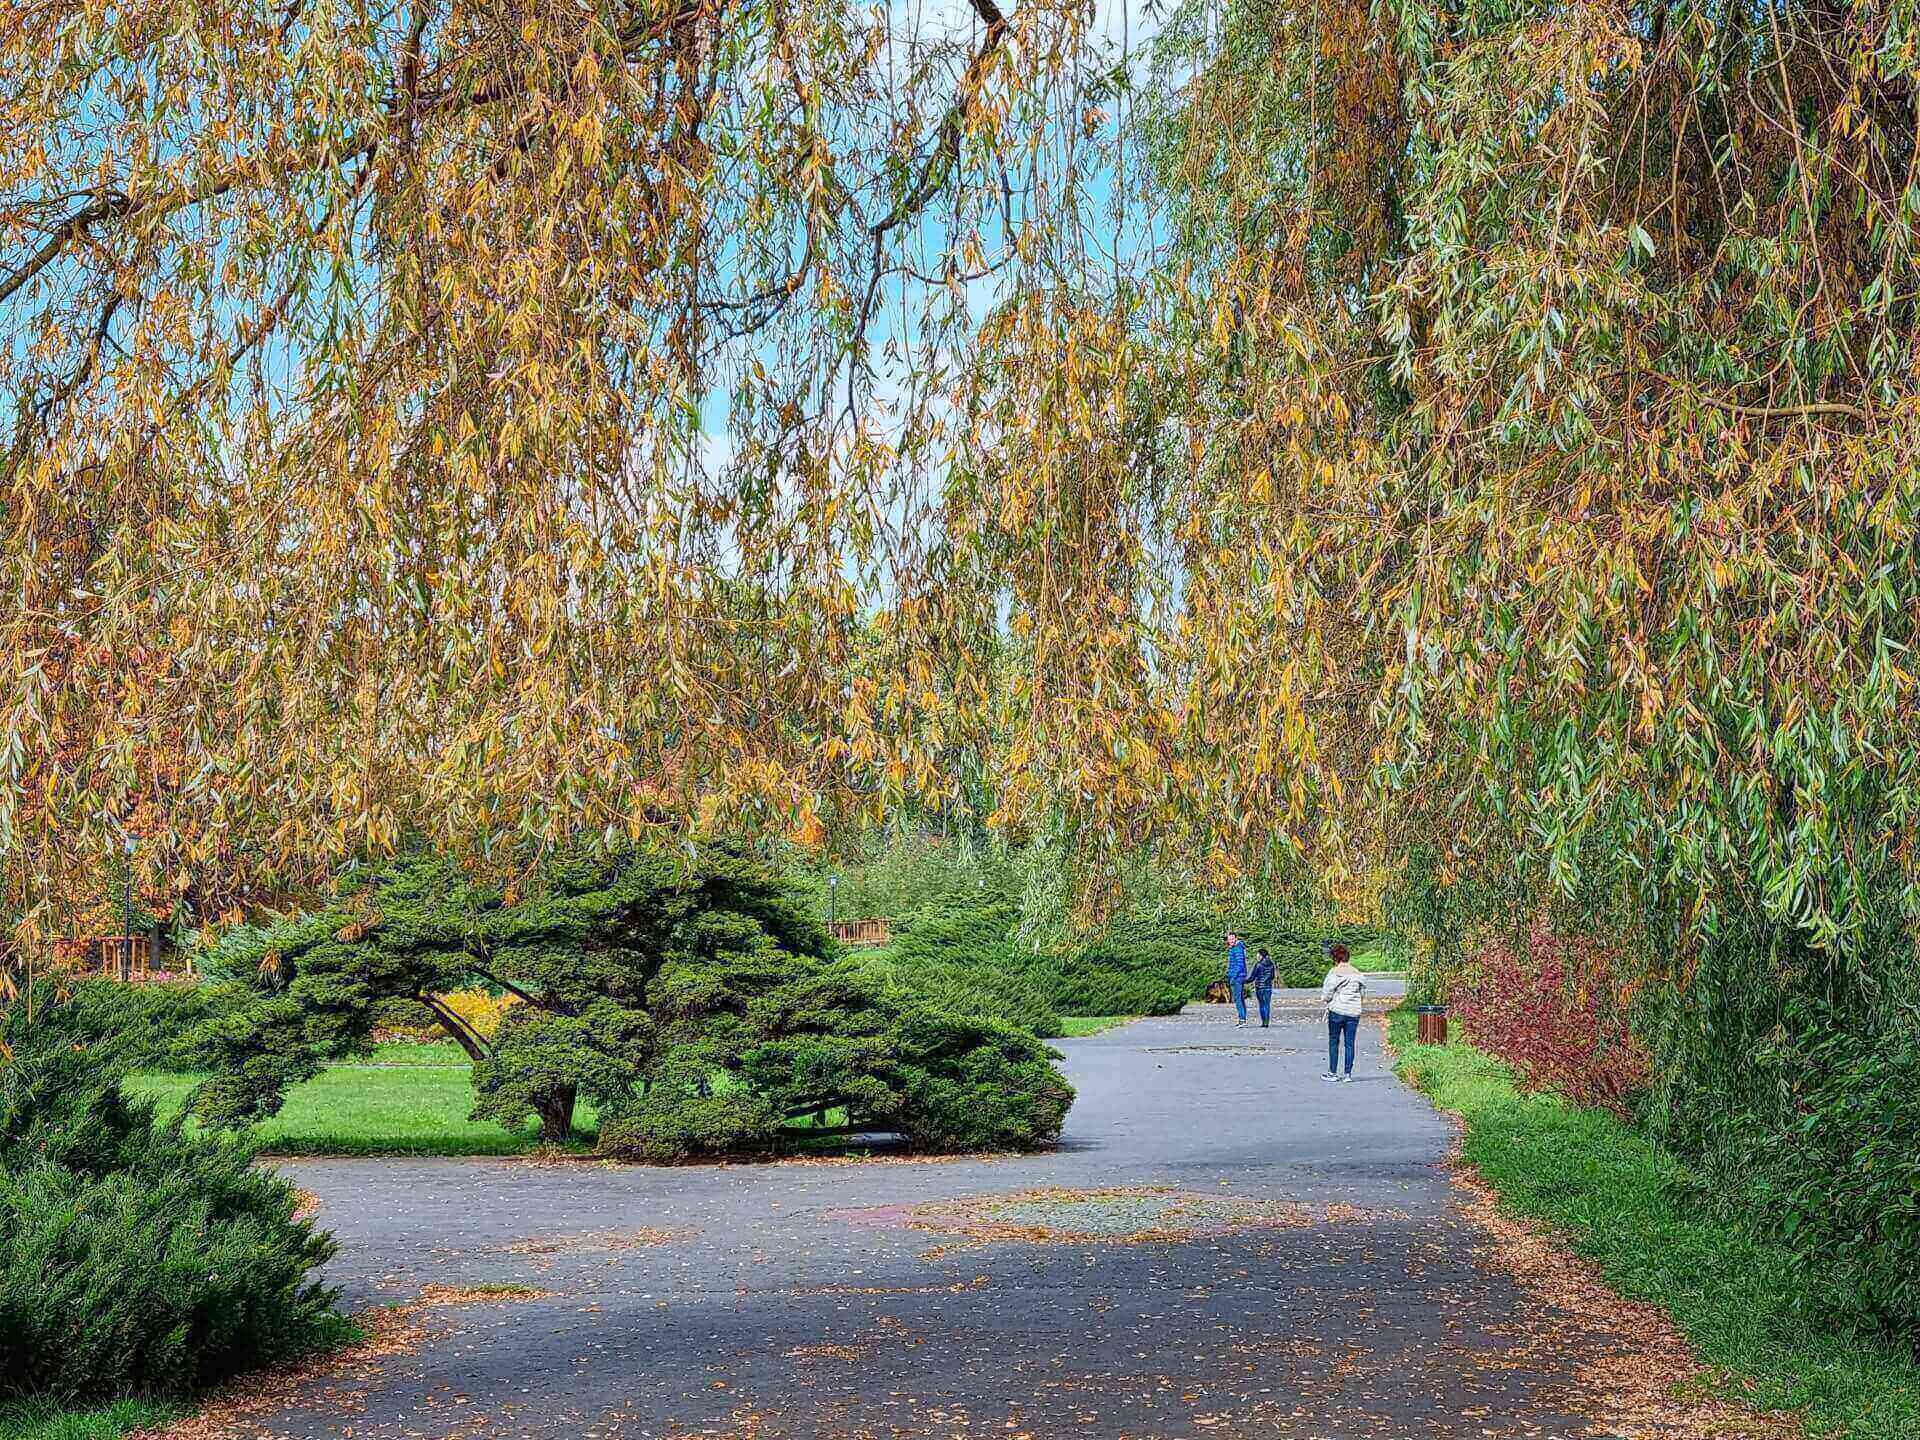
x=484 y=418
x=1478 y=430
x=1584 y=339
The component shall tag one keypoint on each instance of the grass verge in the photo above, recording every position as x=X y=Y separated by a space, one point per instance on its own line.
x=1074 y=1025
x=1628 y=1207
x=1370 y=959
x=43 y=1420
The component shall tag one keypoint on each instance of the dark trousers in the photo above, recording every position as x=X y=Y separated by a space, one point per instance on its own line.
x=1238 y=985
x=1264 y=994
x=1338 y=1025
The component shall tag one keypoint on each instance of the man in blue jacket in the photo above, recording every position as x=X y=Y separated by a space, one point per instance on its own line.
x=1237 y=974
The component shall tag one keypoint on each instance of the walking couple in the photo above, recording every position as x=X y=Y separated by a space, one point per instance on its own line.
x=1343 y=992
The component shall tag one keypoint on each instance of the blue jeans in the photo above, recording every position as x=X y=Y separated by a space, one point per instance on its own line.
x=1338 y=1025
x=1264 y=994
x=1238 y=985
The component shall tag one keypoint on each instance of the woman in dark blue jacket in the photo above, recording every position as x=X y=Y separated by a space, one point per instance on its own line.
x=1262 y=977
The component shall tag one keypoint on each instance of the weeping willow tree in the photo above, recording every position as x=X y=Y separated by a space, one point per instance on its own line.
x=1485 y=430
x=1564 y=358
x=490 y=420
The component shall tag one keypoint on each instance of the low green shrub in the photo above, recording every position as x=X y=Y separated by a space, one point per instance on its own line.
x=142 y=1026
x=694 y=1002
x=965 y=955
x=134 y=1259
x=838 y=1040
x=966 y=959
x=1154 y=964
x=1124 y=976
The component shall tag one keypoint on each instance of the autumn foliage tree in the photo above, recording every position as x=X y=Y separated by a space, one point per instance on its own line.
x=1582 y=339
x=485 y=424
x=1472 y=431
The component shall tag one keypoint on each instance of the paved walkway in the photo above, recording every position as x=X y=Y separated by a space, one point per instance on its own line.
x=1222 y=1245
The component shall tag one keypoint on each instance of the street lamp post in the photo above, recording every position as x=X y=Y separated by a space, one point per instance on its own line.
x=833 y=894
x=126 y=914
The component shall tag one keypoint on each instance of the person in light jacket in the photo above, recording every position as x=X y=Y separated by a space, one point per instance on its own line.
x=1344 y=993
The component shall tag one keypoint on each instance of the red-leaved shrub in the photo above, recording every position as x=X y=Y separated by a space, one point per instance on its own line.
x=1555 y=1010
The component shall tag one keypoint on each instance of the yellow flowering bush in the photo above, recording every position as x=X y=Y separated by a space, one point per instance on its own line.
x=410 y=1020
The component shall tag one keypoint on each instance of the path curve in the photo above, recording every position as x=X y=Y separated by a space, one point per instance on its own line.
x=897 y=1299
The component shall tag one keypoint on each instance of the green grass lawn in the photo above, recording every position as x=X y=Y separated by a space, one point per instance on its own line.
x=404 y=1102
x=1624 y=1205
x=417 y=1052
x=1090 y=1024
x=1375 y=957
x=404 y=1099
x=42 y=1420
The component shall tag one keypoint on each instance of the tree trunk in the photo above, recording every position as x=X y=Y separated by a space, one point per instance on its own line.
x=556 y=1115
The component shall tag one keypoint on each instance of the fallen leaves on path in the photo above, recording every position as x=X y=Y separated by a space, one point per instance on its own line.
x=387 y=1332
x=597 y=1242
x=1109 y=1215
x=1637 y=1375
x=958 y=1287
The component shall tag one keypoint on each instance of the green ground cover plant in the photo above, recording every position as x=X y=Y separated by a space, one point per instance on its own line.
x=969 y=953
x=50 y=1420
x=1152 y=964
x=965 y=956
x=1636 y=1212
x=144 y=1026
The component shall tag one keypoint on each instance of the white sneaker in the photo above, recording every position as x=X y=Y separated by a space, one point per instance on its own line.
x=1329 y=1078
x=1346 y=1079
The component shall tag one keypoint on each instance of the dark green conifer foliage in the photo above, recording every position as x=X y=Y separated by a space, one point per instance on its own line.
x=696 y=1001
x=135 y=1259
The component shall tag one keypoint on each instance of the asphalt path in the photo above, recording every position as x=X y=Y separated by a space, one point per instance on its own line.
x=1221 y=1245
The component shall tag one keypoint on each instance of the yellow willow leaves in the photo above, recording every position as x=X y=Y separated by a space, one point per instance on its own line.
x=361 y=367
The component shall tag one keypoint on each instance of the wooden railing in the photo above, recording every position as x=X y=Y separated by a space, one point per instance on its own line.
x=124 y=957
x=860 y=932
